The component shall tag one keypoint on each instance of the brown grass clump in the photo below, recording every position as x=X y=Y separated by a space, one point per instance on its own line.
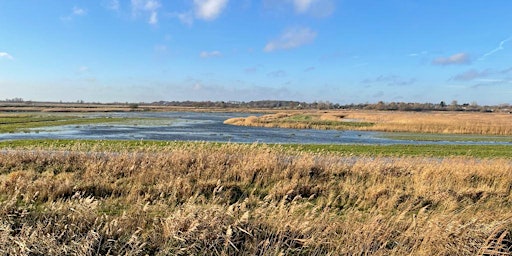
x=422 y=122
x=251 y=200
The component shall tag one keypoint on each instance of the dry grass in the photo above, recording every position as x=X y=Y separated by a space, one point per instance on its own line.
x=423 y=122
x=250 y=200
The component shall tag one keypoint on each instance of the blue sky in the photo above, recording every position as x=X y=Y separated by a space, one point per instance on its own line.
x=346 y=51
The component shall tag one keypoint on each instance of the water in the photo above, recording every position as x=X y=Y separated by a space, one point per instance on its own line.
x=189 y=126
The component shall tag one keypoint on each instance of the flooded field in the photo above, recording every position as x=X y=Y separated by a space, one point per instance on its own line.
x=191 y=126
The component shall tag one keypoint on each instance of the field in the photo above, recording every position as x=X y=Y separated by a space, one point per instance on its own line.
x=136 y=198
x=415 y=122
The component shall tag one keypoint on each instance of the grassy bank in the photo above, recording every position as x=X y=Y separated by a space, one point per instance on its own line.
x=225 y=199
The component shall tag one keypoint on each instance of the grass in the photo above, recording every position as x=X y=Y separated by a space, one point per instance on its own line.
x=297 y=121
x=10 y=123
x=397 y=150
x=446 y=137
x=24 y=123
x=409 y=122
x=177 y=198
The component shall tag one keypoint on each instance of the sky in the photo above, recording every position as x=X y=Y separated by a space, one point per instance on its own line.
x=341 y=51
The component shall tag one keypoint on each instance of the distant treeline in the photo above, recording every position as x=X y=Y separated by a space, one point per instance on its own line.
x=282 y=104
x=325 y=105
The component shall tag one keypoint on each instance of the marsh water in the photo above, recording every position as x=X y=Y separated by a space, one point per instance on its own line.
x=191 y=126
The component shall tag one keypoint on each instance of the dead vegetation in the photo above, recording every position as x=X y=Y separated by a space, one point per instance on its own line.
x=250 y=200
x=420 y=122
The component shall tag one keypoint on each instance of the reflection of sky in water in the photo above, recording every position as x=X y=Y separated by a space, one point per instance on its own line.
x=204 y=127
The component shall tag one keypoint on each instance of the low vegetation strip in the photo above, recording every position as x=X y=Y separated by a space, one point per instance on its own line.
x=23 y=123
x=398 y=150
x=234 y=199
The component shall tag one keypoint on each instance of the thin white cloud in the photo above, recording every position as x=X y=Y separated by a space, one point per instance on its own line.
x=291 y=38
x=416 y=54
x=497 y=49
x=148 y=6
x=153 y=18
x=302 y=6
x=186 y=18
x=4 y=55
x=212 y=54
x=209 y=9
x=83 y=69
x=456 y=59
x=161 y=49
x=79 y=11
x=76 y=11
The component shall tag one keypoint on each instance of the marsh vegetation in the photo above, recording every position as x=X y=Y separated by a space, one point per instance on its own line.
x=78 y=197
x=416 y=122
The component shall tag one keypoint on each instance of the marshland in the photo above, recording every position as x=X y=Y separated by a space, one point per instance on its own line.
x=255 y=127
x=149 y=197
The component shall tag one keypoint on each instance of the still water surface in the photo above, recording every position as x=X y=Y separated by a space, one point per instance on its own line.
x=189 y=126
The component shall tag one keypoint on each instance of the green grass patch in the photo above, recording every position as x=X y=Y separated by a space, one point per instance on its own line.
x=478 y=151
x=445 y=137
x=398 y=150
x=25 y=123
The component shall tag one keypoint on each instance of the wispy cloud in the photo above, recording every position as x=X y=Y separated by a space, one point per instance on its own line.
x=212 y=54
x=491 y=82
x=485 y=77
x=185 y=17
x=417 y=54
x=79 y=11
x=4 y=55
x=153 y=18
x=252 y=69
x=83 y=69
x=497 y=49
x=456 y=59
x=209 y=9
x=291 y=38
x=76 y=11
x=471 y=75
x=390 y=80
x=147 y=6
x=309 y=69
x=303 y=5
x=161 y=49
x=277 y=74
x=319 y=8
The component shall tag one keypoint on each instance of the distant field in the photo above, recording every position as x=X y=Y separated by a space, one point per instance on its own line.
x=387 y=121
x=177 y=198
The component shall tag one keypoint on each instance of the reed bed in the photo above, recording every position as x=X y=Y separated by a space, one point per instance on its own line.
x=392 y=121
x=204 y=199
